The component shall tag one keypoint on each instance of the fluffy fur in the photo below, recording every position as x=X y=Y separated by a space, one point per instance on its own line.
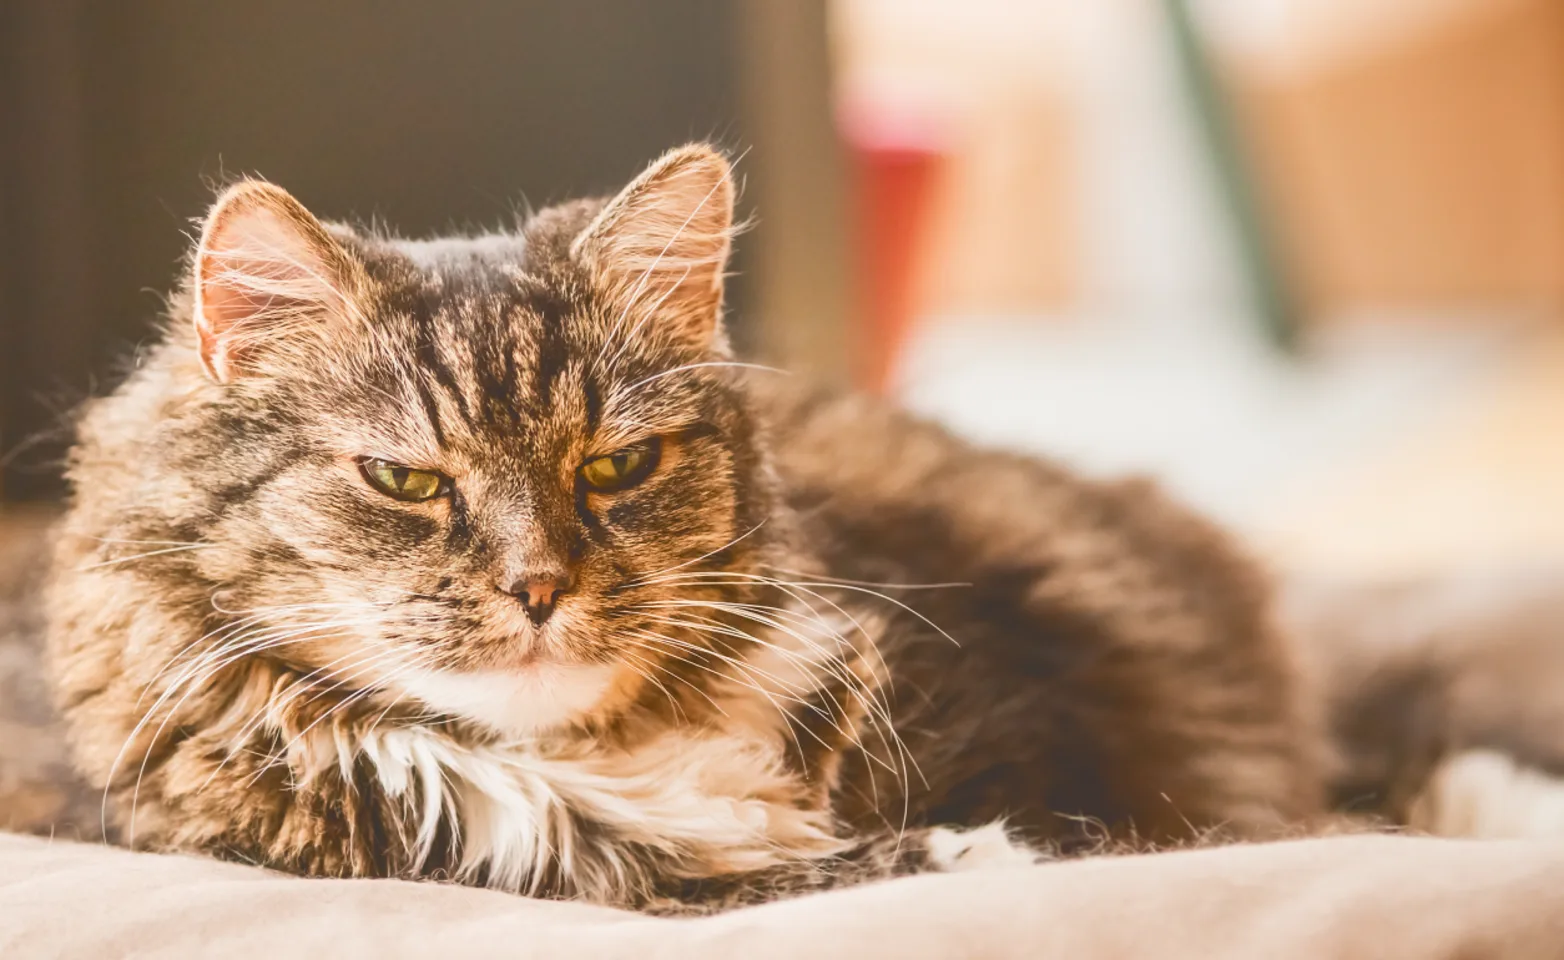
x=819 y=642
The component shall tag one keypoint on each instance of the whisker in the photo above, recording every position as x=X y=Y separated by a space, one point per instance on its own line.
x=195 y=649
x=205 y=669
x=876 y=707
x=142 y=556
x=696 y=366
x=749 y=683
x=684 y=680
x=708 y=554
x=746 y=611
x=659 y=638
x=153 y=543
x=784 y=584
x=868 y=583
x=647 y=671
x=792 y=689
x=842 y=715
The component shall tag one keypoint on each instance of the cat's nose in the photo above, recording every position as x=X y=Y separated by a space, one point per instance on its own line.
x=539 y=593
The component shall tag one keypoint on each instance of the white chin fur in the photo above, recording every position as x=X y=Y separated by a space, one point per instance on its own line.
x=521 y=701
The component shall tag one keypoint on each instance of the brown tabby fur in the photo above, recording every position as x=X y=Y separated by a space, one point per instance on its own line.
x=815 y=638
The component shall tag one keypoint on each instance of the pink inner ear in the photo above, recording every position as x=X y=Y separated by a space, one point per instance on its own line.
x=229 y=317
x=264 y=278
x=226 y=303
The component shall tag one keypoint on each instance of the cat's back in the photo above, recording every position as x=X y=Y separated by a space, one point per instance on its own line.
x=1109 y=650
x=907 y=490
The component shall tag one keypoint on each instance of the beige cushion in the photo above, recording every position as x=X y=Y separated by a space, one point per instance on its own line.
x=1342 y=897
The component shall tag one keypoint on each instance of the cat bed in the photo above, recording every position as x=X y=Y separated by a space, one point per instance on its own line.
x=1356 y=896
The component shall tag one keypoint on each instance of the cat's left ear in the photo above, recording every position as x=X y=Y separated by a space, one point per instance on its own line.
x=662 y=244
x=270 y=283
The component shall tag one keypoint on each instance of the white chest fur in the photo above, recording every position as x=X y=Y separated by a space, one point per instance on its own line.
x=702 y=802
x=527 y=809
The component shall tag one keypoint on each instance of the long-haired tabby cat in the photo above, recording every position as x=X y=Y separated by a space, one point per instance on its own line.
x=480 y=558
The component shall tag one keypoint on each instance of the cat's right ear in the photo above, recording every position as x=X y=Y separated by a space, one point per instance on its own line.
x=663 y=244
x=269 y=280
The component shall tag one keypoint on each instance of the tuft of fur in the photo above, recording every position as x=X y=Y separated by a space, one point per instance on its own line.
x=820 y=643
x=1488 y=794
x=1441 y=697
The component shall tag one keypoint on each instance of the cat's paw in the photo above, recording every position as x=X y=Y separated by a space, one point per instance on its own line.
x=1490 y=795
x=951 y=849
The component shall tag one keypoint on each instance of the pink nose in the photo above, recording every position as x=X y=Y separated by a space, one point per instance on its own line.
x=540 y=593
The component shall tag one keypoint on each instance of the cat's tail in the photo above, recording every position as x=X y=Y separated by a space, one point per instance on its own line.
x=1444 y=698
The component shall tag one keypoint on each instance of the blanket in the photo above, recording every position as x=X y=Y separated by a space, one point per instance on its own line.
x=1341 y=897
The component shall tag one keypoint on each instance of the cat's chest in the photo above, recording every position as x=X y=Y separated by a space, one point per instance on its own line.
x=522 y=817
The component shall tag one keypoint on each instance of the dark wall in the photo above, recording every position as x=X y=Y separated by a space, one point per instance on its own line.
x=116 y=119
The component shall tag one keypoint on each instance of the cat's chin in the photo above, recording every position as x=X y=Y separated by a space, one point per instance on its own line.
x=520 y=701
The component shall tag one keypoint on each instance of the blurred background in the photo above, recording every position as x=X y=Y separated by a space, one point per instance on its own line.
x=1301 y=259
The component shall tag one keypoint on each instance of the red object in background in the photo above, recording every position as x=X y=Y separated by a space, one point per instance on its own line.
x=897 y=158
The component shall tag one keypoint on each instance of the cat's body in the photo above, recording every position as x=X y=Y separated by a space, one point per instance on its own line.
x=480 y=559
x=1113 y=655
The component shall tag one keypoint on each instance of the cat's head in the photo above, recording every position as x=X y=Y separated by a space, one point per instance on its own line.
x=496 y=474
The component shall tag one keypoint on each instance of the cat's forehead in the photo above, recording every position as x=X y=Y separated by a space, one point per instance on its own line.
x=496 y=266
x=494 y=253
x=481 y=300
x=491 y=344
x=429 y=275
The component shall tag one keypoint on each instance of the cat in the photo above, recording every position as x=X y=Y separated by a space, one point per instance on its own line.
x=481 y=558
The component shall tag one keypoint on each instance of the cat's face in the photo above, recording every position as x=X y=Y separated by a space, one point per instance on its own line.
x=483 y=473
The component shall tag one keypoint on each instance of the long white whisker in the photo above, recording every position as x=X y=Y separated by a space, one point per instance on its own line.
x=747 y=679
x=230 y=628
x=651 y=577
x=793 y=690
x=868 y=583
x=695 y=366
x=748 y=682
x=641 y=645
x=154 y=543
x=142 y=556
x=198 y=669
x=877 y=709
x=647 y=671
x=756 y=578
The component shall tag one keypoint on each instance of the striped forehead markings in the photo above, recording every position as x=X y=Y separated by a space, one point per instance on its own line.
x=430 y=361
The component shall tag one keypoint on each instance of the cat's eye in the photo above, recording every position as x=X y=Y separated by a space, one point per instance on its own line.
x=403 y=483
x=623 y=468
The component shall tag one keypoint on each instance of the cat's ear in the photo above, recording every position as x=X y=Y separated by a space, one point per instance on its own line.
x=269 y=280
x=662 y=244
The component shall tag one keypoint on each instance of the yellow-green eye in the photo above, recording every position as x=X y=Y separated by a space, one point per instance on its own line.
x=622 y=468
x=403 y=483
